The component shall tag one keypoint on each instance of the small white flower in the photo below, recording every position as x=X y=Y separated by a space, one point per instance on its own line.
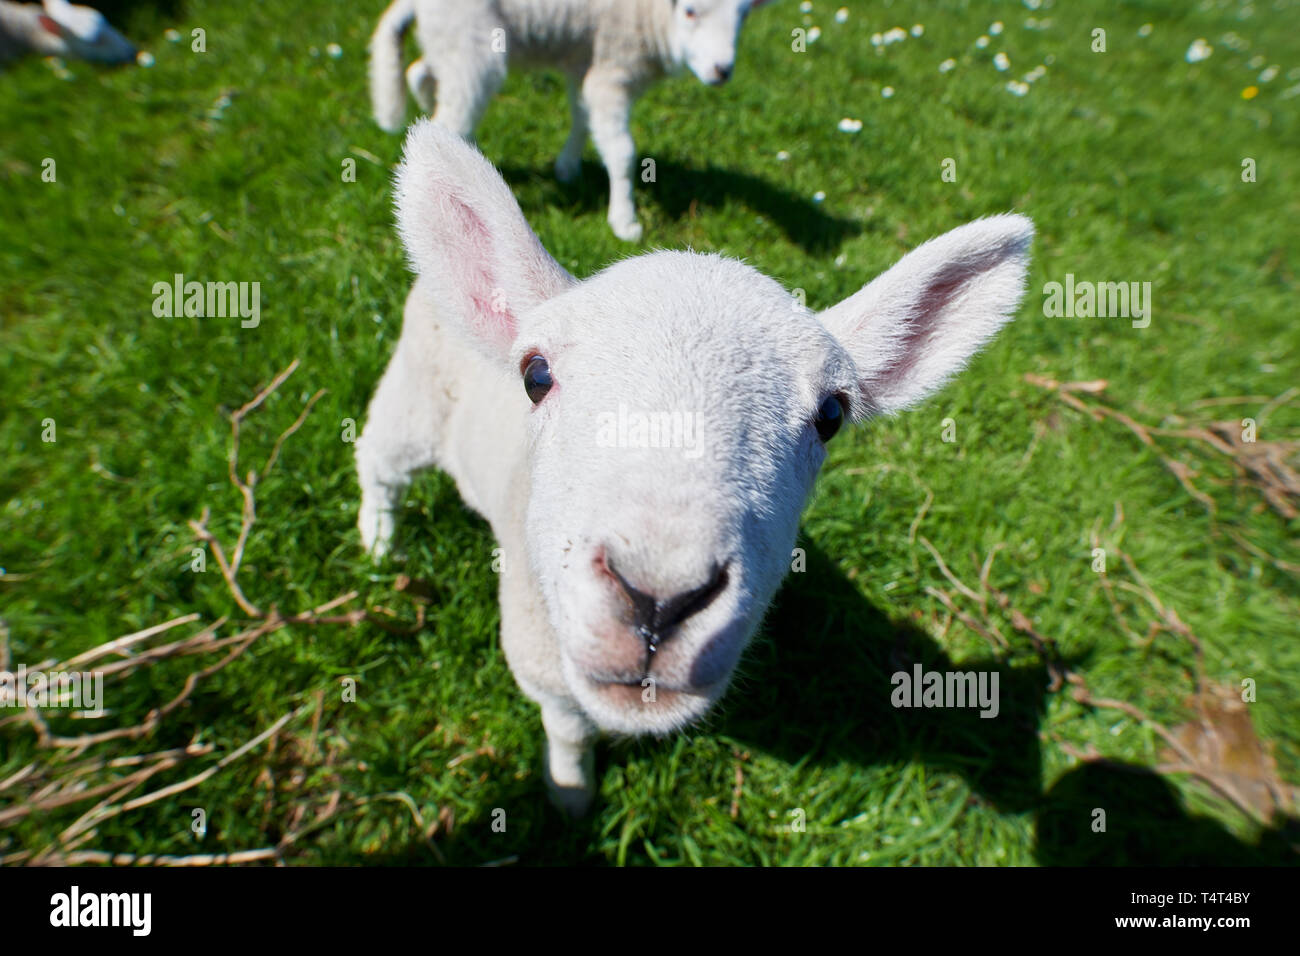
x=918 y=29
x=334 y=50
x=144 y=58
x=1269 y=74
x=848 y=125
x=805 y=7
x=819 y=196
x=782 y=156
x=1018 y=88
x=947 y=65
x=173 y=36
x=877 y=39
x=982 y=42
x=887 y=92
x=842 y=15
x=1198 y=51
x=1001 y=63
x=1145 y=30
x=813 y=34
x=1033 y=4
x=995 y=28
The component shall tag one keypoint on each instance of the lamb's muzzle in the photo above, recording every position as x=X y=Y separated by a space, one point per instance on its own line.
x=655 y=620
x=633 y=572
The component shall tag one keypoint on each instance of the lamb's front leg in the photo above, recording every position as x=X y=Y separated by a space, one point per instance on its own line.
x=534 y=657
x=570 y=756
x=609 y=107
x=398 y=441
x=569 y=163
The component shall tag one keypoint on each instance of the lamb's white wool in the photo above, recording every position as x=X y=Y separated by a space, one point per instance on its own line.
x=635 y=573
x=609 y=51
x=60 y=28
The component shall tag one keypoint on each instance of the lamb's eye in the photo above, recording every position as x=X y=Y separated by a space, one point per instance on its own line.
x=689 y=13
x=537 y=378
x=829 y=417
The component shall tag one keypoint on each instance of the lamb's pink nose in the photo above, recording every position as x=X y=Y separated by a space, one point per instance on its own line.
x=657 y=619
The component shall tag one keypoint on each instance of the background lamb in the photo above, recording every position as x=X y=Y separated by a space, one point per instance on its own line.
x=59 y=28
x=609 y=51
x=634 y=577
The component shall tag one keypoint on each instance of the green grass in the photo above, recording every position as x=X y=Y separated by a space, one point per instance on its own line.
x=1129 y=161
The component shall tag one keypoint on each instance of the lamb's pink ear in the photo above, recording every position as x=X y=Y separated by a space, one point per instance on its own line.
x=465 y=236
x=916 y=324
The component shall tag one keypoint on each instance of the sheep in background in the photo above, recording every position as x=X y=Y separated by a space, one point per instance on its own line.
x=638 y=561
x=59 y=28
x=609 y=51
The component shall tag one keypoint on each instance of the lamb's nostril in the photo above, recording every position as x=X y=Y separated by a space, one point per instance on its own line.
x=656 y=619
x=679 y=607
x=724 y=72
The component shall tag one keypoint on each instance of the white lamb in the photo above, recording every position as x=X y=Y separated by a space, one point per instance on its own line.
x=59 y=28
x=634 y=572
x=609 y=51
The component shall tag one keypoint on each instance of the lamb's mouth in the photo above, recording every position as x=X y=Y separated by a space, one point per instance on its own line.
x=648 y=692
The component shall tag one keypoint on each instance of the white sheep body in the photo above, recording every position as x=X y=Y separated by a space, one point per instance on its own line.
x=586 y=528
x=608 y=50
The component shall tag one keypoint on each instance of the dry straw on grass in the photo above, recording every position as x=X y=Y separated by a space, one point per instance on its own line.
x=79 y=771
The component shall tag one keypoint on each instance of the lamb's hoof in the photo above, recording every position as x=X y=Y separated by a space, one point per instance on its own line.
x=568 y=170
x=574 y=802
x=628 y=232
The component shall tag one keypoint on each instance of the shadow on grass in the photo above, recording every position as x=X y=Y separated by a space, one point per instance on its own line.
x=680 y=189
x=816 y=685
x=1145 y=825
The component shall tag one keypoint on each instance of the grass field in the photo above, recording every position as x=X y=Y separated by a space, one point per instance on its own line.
x=229 y=165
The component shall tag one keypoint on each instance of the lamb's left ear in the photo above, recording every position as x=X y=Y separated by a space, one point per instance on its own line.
x=916 y=324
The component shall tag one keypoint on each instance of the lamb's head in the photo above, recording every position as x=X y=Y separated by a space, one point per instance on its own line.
x=80 y=31
x=678 y=408
x=704 y=34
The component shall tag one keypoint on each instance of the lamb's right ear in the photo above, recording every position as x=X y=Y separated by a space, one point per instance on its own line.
x=918 y=322
x=465 y=236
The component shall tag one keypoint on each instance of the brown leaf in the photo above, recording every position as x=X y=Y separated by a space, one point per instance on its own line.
x=1223 y=745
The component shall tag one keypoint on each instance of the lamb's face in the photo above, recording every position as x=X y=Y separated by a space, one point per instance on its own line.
x=705 y=33
x=671 y=456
